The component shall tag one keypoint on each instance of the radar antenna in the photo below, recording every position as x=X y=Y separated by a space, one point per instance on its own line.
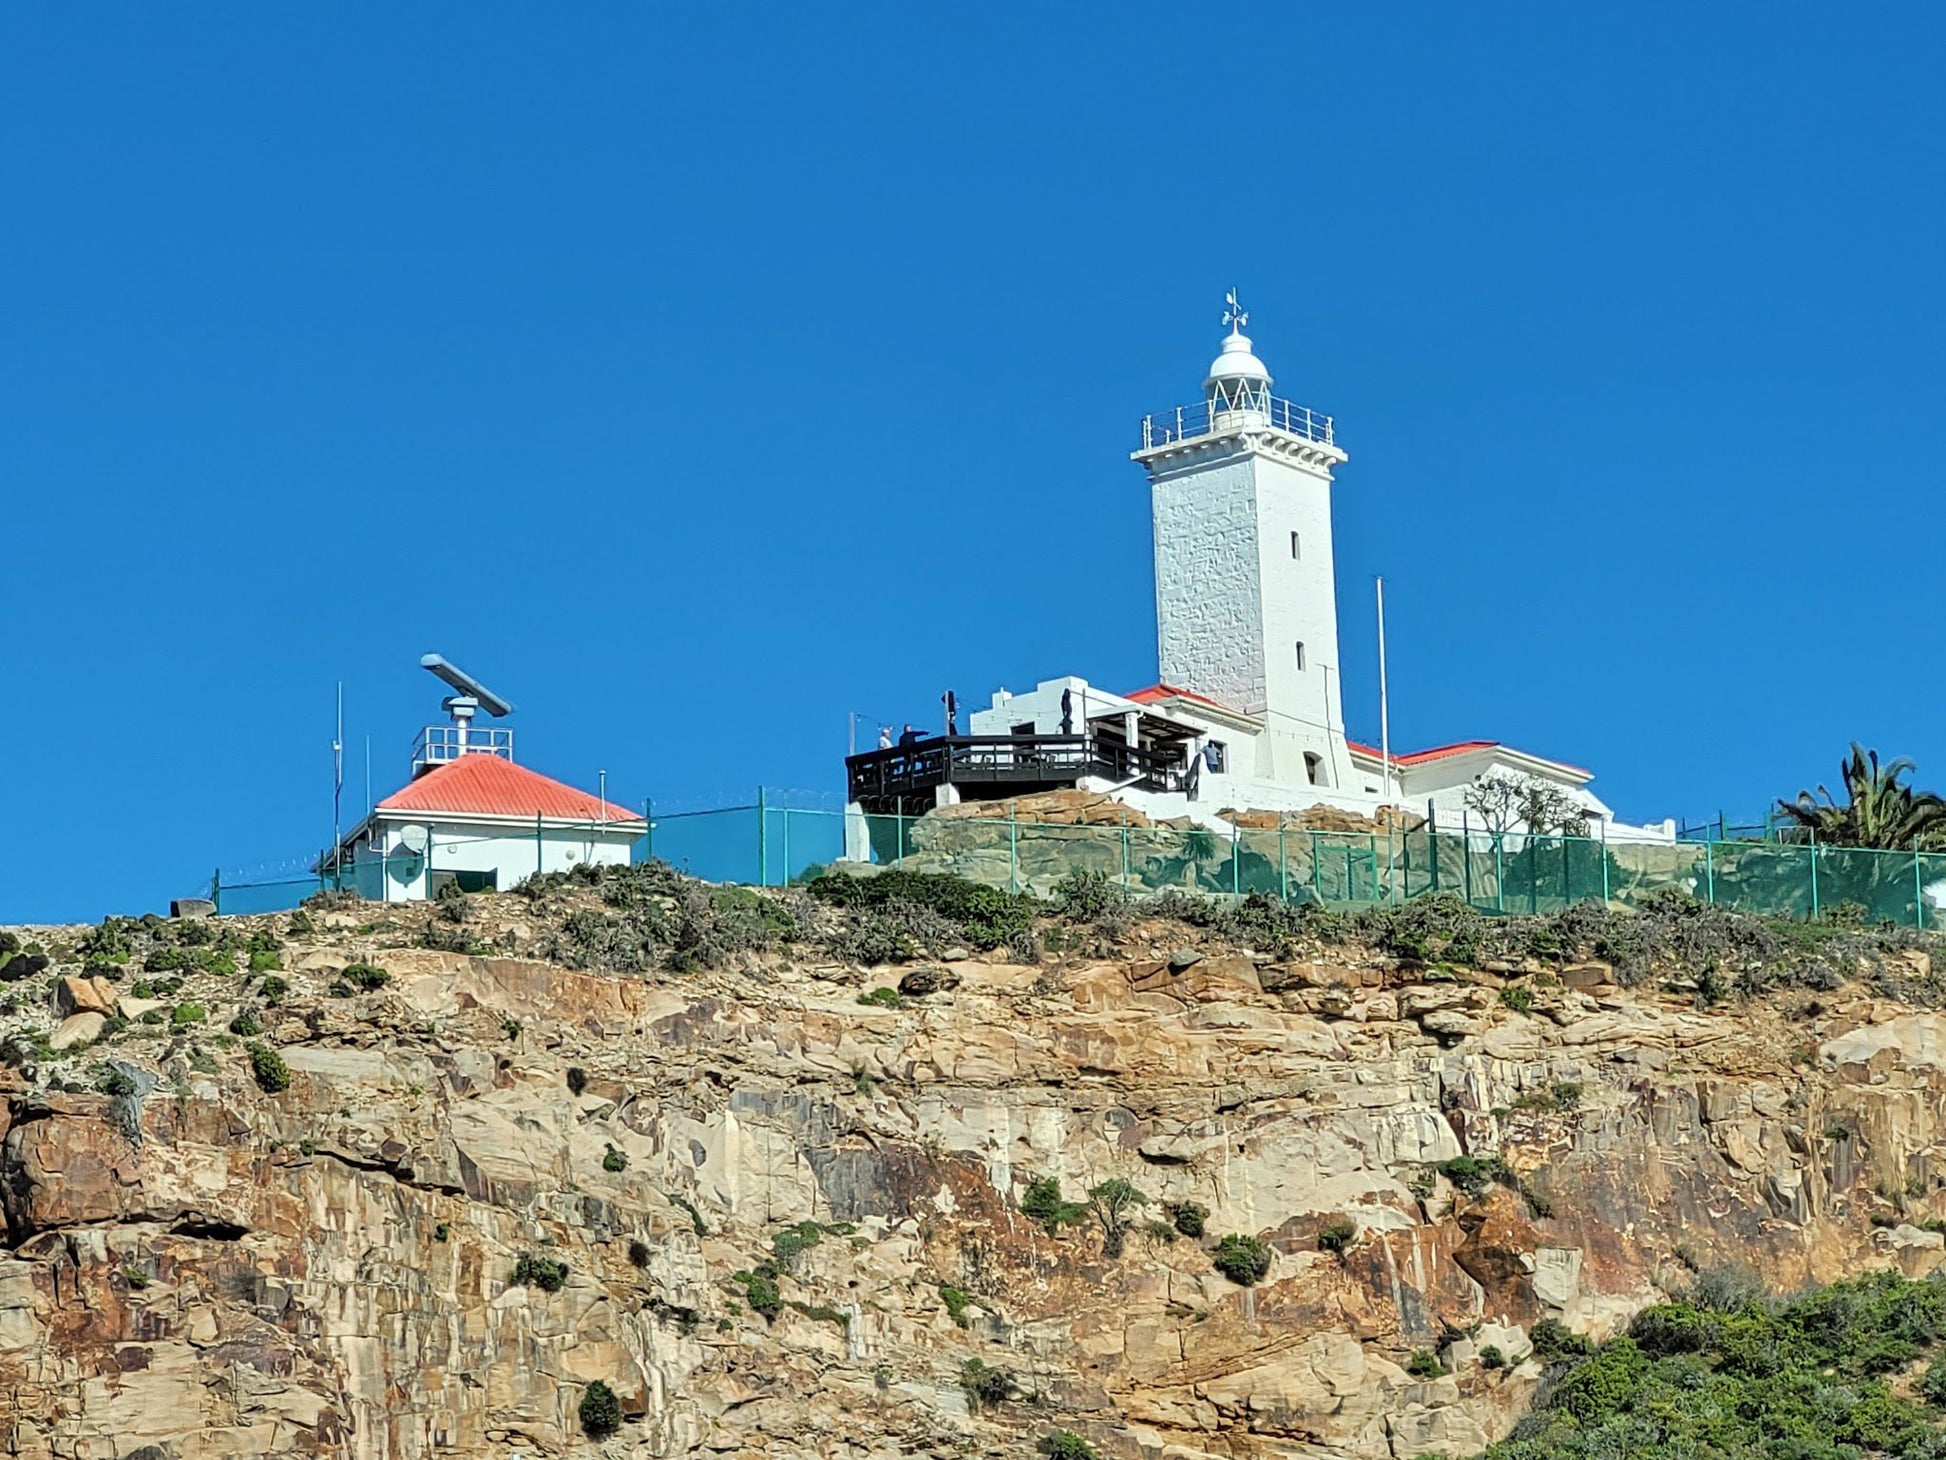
x=470 y=698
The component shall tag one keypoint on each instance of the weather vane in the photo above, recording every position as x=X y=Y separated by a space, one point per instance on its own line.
x=1234 y=316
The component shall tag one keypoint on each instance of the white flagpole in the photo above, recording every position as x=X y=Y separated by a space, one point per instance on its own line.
x=1384 y=704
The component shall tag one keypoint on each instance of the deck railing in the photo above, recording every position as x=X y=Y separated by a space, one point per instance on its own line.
x=1184 y=423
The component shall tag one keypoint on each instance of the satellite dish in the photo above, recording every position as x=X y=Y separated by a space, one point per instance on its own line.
x=466 y=685
x=415 y=839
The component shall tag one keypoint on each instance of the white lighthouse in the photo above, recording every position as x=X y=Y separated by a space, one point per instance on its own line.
x=1245 y=597
x=1247 y=713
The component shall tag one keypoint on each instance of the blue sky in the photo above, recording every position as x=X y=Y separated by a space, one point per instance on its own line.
x=696 y=375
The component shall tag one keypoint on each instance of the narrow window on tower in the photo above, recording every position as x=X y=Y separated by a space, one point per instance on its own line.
x=1300 y=658
x=1294 y=552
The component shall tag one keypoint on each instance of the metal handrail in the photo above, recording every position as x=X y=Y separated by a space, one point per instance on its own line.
x=439 y=744
x=1163 y=428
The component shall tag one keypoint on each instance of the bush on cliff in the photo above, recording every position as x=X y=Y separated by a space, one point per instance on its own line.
x=546 y=1273
x=268 y=1069
x=1827 y=1375
x=984 y=916
x=1245 y=1261
x=601 y=1411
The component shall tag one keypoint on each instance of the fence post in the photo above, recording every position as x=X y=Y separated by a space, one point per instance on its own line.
x=784 y=819
x=540 y=847
x=1283 y=864
x=1918 y=889
x=898 y=812
x=1125 y=849
x=1013 y=850
x=216 y=889
x=1604 y=864
x=1317 y=882
x=1499 y=877
x=1236 y=859
x=763 y=831
x=648 y=828
x=1709 y=871
x=1432 y=842
x=1371 y=850
x=1814 y=873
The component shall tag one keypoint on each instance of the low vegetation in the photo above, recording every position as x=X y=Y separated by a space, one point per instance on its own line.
x=600 y=1412
x=1244 y=1260
x=549 y=1274
x=1838 y=1373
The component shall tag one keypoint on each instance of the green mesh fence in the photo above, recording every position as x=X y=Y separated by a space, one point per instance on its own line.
x=1504 y=874
x=773 y=846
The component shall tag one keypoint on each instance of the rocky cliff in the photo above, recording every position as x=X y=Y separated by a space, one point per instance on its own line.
x=422 y=1213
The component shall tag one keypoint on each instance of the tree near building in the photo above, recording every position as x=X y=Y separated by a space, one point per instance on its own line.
x=1506 y=802
x=1880 y=809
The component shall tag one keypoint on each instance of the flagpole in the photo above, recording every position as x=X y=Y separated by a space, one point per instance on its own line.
x=338 y=776
x=1384 y=703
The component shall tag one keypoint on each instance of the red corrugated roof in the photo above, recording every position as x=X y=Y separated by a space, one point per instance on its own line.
x=487 y=785
x=1155 y=692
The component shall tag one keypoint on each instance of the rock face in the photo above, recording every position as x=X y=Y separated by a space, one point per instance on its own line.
x=197 y=1268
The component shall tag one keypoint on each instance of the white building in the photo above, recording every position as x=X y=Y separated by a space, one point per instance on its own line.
x=1247 y=711
x=470 y=816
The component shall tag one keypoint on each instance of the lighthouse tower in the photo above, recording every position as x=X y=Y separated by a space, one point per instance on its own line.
x=1245 y=598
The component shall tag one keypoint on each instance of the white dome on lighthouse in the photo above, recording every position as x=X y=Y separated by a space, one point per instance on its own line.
x=1237 y=362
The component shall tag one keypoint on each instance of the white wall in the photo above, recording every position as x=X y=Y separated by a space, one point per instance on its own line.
x=1300 y=606
x=509 y=853
x=1208 y=607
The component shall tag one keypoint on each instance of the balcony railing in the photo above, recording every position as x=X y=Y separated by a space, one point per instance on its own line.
x=1187 y=422
x=436 y=745
x=1018 y=760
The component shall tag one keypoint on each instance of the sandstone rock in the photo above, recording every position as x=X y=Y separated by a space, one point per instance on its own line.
x=77 y=1029
x=77 y=995
x=920 y=982
x=133 y=1008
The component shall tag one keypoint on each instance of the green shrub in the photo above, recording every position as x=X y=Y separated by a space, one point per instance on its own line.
x=267 y=1067
x=1491 y=1357
x=186 y=1014
x=957 y=1302
x=1553 y=1339
x=1244 y=1260
x=1520 y=1000
x=265 y=960
x=1088 y=896
x=247 y=1024
x=601 y=1411
x=549 y=1274
x=1114 y=1203
x=615 y=1160
x=1043 y=1202
x=984 y=916
x=219 y=961
x=1424 y=1364
x=299 y=924
x=1336 y=1236
x=790 y=1245
x=366 y=977
x=577 y=1079
x=984 y=1386
x=880 y=998
x=760 y=1291
x=273 y=989
x=167 y=960
x=1474 y=1174
x=1189 y=1217
x=1065 y=1445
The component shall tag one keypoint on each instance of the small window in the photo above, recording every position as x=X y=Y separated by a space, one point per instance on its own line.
x=1294 y=552
x=1024 y=728
x=1300 y=658
x=1313 y=763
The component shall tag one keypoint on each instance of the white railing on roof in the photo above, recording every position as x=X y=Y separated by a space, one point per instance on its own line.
x=1186 y=422
x=439 y=744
